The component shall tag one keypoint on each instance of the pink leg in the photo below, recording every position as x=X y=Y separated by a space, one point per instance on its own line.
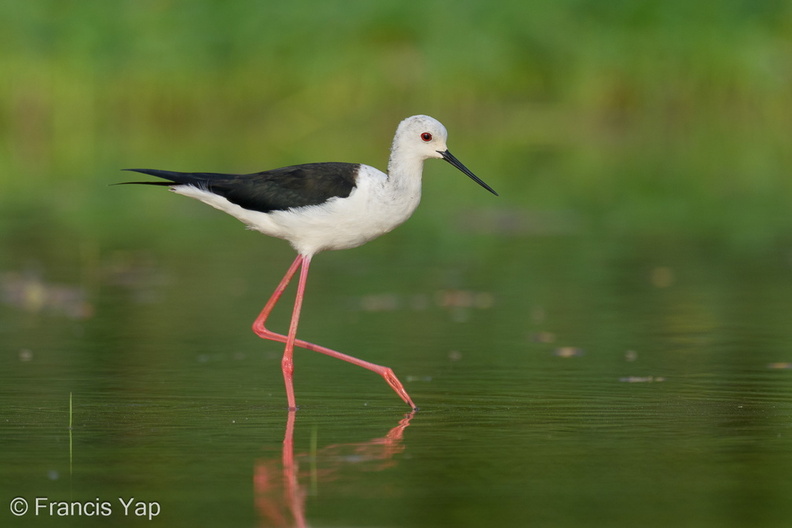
x=291 y=341
x=258 y=324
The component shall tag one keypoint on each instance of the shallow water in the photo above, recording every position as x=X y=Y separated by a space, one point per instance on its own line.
x=561 y=380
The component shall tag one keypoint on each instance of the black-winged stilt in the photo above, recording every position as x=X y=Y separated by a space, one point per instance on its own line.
x=321 y=206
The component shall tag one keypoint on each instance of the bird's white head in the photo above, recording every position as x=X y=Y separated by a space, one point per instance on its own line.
x=421 y=137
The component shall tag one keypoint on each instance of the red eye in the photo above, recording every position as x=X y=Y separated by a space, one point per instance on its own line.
x=426 y=136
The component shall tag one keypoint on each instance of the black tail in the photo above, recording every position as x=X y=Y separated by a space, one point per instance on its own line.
x=176 y=178
x=164 y=184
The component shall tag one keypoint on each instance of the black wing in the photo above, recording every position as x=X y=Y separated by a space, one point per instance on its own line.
x=272 y=190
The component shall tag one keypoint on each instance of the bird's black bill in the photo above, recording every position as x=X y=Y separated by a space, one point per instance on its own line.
x=458 y=164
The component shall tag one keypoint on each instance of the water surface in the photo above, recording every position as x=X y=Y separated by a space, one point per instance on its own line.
x=562 y=381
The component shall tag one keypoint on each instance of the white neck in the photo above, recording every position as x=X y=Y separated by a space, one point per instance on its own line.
x=404 y=170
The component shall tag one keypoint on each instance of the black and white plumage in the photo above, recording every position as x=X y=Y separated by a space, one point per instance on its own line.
x=272 y=190
x=323 y=206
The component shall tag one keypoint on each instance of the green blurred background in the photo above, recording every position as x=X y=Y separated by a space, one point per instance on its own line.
x=640 y=152
x=652 y=118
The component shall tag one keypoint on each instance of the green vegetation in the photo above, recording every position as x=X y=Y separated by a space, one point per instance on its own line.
x=655 y=117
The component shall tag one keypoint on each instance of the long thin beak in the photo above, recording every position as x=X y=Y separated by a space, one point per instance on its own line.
x=458 y=164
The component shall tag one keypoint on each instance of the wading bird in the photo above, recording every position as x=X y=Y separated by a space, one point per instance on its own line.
x=323 y=206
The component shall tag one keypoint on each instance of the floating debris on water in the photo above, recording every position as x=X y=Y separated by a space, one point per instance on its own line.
x=642 y=379
x=29 y=292
x=450 y=299
x=382 y=302
x=464 y=299
x=780 y=366
x=567 y=352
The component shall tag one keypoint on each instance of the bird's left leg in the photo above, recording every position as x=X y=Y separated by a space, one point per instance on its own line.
x=287 y=363
x=259 y=324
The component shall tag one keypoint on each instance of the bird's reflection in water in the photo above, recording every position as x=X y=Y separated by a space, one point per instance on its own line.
x=279 y=493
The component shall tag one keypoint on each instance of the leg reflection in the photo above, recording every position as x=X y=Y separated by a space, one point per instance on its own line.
x=279 y=496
